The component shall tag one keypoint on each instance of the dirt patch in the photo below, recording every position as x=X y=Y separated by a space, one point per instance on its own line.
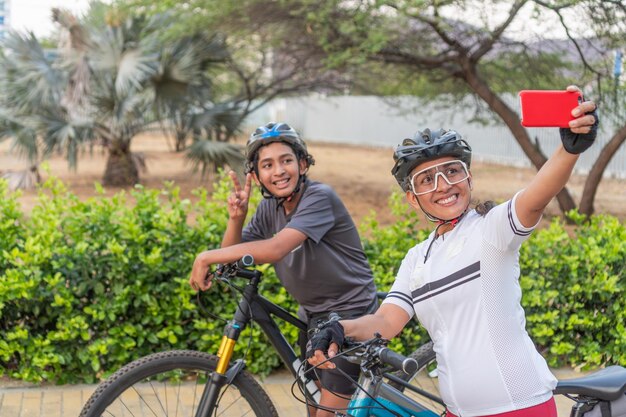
x=360 y=175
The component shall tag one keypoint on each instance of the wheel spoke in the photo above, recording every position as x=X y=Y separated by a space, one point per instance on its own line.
x=158 y=398
x=143 y=402
x=228 y=406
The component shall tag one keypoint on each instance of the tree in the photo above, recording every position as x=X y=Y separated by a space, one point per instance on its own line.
x=30 y=93
x=422 y=39
x=432 y=40
x=268 y=57
x=111 y=81
x=262 y=64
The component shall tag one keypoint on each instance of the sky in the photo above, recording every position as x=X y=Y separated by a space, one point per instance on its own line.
x=524 y=27
x=36 y=15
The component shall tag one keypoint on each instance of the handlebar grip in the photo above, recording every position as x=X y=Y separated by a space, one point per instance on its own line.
x=246 y=260
x=398 y=361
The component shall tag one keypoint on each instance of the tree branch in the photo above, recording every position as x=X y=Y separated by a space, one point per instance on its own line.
x=487 y=44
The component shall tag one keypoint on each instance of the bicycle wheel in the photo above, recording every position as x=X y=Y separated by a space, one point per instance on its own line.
x=424 y=379
x=171 y=384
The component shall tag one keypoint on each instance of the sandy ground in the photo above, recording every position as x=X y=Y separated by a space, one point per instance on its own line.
x=360 y=175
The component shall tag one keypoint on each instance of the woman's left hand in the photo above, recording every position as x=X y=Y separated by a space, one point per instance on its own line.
x=582 y=130
x=586 y=109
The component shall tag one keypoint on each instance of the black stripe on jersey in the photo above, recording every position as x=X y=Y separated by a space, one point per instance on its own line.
x=469 y=273
x=401 y=296
x=515 y=229
x=456 y=284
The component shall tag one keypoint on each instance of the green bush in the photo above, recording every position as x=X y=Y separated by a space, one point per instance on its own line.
x=574 y=287
x=87 y=286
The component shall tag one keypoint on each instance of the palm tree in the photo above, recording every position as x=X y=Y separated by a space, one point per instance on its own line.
x=31 y=88
x=108 y=84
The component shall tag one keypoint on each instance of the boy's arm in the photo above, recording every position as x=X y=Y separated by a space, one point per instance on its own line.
x=264 y=251
x=232 y=235
x=237 y=204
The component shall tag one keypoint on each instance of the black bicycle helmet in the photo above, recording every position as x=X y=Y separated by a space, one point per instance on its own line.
x=425 y=146
x=275 y=132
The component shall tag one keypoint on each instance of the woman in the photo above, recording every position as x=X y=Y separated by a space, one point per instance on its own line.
x=463 y=281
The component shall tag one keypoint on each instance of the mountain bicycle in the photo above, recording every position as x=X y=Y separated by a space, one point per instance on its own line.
x=593 y=394
x=191 y=383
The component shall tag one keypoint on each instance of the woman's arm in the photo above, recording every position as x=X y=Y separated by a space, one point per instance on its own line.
x=388 y=321
x=555 y=173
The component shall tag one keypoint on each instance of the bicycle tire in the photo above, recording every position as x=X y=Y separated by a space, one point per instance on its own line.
x=425 y=378
x=146 y=387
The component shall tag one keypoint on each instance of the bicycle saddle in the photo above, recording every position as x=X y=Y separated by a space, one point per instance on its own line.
x=607 y=384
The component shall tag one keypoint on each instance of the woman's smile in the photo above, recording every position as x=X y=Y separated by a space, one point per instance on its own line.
x=448 y=201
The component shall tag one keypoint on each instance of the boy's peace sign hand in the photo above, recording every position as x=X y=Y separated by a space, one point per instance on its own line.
x=238 y=199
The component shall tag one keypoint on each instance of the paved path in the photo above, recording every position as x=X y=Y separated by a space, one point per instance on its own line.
x=20 y=400
x=17 y=400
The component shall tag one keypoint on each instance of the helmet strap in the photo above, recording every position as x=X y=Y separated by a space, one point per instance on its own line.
x=283 y=200
x=440 y=223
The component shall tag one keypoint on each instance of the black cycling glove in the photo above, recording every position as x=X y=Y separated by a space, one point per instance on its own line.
x=333 y=333
x=576 y=142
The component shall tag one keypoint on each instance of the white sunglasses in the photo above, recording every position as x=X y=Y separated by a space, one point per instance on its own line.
x=426 y=180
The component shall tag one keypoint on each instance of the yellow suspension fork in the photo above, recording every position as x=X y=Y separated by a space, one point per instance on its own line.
x=225 y=352
x=218 y=379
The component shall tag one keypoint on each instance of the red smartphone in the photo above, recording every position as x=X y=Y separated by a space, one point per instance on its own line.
x=548 y=108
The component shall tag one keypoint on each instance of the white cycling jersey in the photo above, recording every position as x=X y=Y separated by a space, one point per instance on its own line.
x=467 y=296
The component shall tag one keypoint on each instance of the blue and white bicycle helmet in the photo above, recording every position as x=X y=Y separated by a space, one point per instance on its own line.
x=425 y=146
x=275 y=132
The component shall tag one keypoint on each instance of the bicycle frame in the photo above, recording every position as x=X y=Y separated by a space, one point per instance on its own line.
x=389 y=402
x=253 y=306
x=375 y=398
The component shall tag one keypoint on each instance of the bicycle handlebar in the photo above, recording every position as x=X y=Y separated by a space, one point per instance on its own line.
x=236 y=269
x=398 y=361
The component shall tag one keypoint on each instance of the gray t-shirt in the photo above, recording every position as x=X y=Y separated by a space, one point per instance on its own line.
x=329 y=271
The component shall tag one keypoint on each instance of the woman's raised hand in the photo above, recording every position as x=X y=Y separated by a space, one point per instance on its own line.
x=583 y=130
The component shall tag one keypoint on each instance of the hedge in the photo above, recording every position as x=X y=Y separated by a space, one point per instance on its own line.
x=86 y=286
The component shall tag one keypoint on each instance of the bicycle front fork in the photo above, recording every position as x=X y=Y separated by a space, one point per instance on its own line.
x=222 y=375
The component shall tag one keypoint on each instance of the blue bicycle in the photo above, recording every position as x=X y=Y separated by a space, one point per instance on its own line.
x=380 y=393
